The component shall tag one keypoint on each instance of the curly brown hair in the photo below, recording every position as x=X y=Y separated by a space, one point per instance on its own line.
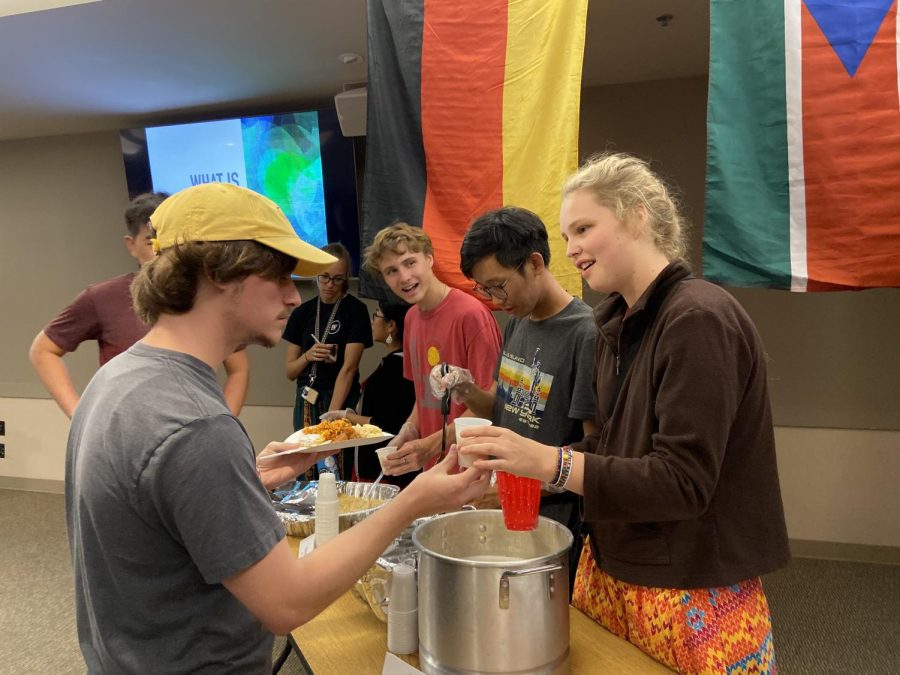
x=394 y=239
x=168 y=283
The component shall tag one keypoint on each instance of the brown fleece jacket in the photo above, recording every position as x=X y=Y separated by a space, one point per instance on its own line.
x=681 y=485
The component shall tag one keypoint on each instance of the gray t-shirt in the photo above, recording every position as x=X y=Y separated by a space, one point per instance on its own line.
x=163 y=502
x=544 y=378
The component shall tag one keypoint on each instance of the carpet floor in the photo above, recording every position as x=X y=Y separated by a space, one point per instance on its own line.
x=828 y=616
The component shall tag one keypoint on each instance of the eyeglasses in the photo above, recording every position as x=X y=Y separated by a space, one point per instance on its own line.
x=328 y=279
x=376 y=315
x=499 y=291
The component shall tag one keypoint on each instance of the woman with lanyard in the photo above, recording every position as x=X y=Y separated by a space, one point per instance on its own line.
x=327 y=336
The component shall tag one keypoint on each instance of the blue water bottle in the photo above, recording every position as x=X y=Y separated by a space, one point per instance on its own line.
x=328 y=465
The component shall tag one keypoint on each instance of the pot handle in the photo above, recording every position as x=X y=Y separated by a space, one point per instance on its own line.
x=504 y=580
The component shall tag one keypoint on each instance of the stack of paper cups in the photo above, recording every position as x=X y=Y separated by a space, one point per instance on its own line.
x=327 y=509
x=403 y=612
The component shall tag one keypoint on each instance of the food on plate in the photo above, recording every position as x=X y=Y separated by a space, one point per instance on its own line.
x=368 y=430
x=339 y=430
x=307 y=440
x=330 y=435
x=332 y=430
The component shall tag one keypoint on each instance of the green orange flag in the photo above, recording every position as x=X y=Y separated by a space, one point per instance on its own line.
x=803 y=161
x=472 y=106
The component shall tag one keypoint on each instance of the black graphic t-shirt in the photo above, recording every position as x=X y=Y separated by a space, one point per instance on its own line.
x=544 y=376
x=351 y=324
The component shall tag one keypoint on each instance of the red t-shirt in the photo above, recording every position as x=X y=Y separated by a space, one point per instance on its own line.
x=101 y=312
x=460 y=331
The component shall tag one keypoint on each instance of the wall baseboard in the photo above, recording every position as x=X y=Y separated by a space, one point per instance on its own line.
x=32 y=484
x=832 y=550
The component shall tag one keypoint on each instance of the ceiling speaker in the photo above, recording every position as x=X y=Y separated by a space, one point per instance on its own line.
x=351 y=111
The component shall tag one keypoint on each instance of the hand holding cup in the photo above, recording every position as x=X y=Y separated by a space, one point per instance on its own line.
x=461 y=423
x=383 y=456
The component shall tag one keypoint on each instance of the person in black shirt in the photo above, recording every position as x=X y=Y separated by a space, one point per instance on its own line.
x=327 y=336
x=387 y=397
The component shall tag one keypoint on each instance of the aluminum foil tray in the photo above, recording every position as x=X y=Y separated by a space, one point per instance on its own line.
x=297 y=509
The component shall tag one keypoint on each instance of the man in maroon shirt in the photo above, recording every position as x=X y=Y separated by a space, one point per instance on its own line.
x=103 y=312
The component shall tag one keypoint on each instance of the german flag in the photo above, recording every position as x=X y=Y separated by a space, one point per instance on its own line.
x=472 y=105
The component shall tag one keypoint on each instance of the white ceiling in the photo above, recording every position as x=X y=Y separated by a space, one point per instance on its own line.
x=116 y=63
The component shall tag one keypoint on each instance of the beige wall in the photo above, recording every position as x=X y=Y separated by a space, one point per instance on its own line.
x=61 y=228
x=834 y=356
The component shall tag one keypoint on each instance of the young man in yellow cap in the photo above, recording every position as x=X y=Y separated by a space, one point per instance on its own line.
x=180 y=561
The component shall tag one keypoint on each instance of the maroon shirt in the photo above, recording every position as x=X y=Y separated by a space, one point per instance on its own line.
x=101 y=312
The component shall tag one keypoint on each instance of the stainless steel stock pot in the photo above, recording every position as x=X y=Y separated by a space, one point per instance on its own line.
x=492 y=600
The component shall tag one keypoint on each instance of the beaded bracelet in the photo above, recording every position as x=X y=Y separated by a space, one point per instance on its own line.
x=565 y=467
x=559 y=464
x=568 y=456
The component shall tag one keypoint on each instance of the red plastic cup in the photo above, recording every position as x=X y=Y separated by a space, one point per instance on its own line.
x=520 y=499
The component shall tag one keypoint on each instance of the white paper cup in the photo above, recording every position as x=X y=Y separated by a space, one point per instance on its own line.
x=383 y=453
x=461 y=423
x=327 y=509
x=404 y=592
x=403 y=614
x=327 y=490
x=403 y=632
x=327 y=520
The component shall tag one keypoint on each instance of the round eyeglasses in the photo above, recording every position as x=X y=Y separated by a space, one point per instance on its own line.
x=497 y=292
x=328 y=279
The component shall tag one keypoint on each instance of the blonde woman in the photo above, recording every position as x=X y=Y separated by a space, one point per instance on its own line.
x=681 y=500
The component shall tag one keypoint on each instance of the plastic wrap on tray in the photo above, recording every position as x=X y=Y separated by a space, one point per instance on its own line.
x=374 y=586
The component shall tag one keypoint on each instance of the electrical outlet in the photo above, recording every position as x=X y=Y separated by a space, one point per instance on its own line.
x=2 y=450
x=2 y=428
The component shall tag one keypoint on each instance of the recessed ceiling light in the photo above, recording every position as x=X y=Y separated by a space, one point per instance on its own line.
x=348 y=58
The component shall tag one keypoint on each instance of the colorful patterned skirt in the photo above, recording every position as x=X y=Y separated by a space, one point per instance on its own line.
x=700 y=630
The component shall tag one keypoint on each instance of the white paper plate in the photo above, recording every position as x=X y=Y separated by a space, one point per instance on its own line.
x=336 y=445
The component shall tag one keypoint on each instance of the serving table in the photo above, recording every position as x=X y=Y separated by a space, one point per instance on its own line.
x=348 y=638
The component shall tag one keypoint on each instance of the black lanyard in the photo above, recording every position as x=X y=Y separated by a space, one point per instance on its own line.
x=320 y=337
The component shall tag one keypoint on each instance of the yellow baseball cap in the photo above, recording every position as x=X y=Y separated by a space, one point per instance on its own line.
x=226 y=212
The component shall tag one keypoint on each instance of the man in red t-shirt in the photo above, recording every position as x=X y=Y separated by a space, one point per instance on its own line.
x=103 y=312
x=444 y=325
